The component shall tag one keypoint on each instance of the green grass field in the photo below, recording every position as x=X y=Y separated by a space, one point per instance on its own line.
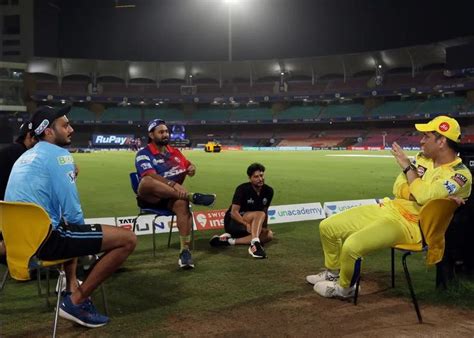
x=147 y=291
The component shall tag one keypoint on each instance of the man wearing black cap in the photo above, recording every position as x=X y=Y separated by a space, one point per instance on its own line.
x=46 y=175
x=8 y=156
x=162 y=170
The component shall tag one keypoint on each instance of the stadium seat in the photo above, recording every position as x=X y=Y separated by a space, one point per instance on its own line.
x=134 y=181
x=434 y=220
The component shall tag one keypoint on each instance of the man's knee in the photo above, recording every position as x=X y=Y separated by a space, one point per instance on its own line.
x=352 y=248
x=145 y=186
x=131 y=241
x=324 y=227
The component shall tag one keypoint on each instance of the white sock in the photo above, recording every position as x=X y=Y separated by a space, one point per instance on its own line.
x=231 y=241
x=256 y=239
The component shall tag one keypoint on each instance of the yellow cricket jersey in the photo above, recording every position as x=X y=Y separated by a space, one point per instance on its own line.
x=450 y=179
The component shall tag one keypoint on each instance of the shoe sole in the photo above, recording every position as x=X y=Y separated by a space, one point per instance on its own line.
x=185 y=266
x=65 y=315
x=255 y=256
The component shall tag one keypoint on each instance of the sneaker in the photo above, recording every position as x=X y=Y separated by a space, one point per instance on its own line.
x=203 y=199
x=325 y=275
x=185 y=260
x=222 y=240
x=84 y=314
x=331 y=289
x=256 y=250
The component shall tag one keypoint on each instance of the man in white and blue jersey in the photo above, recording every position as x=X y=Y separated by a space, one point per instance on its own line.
x=46 y=175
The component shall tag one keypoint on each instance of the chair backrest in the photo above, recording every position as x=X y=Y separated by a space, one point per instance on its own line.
x=134 y=181
x=435 y=217
x=24 y=226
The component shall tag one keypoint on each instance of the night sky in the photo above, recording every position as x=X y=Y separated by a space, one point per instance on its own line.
x=197 y=30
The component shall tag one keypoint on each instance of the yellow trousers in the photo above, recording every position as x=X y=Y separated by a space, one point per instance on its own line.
x=352 y=234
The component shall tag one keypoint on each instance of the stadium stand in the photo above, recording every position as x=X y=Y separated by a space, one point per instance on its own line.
x=396 y=108
x=81 y=114
x=299 y=112
x=343 y=110
x=442 y=105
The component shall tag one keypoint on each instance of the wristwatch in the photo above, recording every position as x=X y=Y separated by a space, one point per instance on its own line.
x=411 y=166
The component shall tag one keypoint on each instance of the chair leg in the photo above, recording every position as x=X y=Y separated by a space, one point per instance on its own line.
x=104 y=300
x=4 y=279
x=393 y=267
x=153 y=234
x=192 y=226
x=58 y=301
x=410 y=286
x=356 y=278
x=171 y=229
x=135 y=224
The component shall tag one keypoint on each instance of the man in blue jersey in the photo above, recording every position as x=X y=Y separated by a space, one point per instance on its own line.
x=46 y=175
x=162 y=170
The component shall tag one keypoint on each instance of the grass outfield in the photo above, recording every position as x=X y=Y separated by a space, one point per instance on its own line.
x=149 y=291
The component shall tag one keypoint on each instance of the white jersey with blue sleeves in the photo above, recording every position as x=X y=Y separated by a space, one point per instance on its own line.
x=45 y=175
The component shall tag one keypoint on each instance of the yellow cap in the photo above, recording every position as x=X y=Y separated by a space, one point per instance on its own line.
x=444 y=125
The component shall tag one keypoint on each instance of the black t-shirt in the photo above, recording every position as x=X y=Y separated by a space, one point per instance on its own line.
x=248 y=199
x=8 y=157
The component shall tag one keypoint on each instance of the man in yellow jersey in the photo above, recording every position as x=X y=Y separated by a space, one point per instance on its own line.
x=436 y=172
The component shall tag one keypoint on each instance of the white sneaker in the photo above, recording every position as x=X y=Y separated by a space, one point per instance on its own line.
x=325 y=275
x=331 y=289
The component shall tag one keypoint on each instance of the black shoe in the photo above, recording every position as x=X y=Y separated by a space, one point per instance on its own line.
x=256 y=250
x=222 y=240
x=203 y=199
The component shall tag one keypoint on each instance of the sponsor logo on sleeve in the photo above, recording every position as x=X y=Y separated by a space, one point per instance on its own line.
x=450 y=187
x=264 y=201
x=142 y=158
x=27 y=159
x=66 y=159
x=72 y=176
x=158 y=161
x=146 y=166
x=459 y=179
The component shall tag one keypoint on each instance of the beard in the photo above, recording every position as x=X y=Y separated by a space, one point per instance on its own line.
x=163 y=142
x=63 y=142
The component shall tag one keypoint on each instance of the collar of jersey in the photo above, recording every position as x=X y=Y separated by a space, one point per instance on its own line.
x=154 y=150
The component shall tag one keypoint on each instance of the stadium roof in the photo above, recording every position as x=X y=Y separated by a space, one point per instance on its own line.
x=410 y=59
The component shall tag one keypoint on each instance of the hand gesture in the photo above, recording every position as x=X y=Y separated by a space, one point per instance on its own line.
x=402 y=159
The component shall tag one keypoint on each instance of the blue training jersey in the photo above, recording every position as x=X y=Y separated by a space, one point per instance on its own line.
x=45 y=175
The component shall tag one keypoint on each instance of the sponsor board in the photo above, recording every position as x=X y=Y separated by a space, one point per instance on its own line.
x=332 y=208
x=101 y=220
x=206 y=220
x=111 y=140
x=295 y=213
x=145 y=223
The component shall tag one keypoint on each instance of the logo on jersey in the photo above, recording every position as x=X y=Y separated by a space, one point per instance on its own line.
x=146 y=166
x=142 y=158
x=459 y=179
x=158 y=161
x=250 y=201
x=27 y=159
x=450 y=187
x=264 y=201
x=174 y=171
x=420 y=170
x=177 y=159
x=66 y=159
x=72 y=176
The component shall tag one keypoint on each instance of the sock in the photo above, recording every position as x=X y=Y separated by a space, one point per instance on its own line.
x=184 y=242
x=256 y=239
x=231 y=241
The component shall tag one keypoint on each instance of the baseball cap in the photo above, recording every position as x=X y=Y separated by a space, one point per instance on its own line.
x=44 y=116
x=25 y=128
x=154 y=123
x=444 y=125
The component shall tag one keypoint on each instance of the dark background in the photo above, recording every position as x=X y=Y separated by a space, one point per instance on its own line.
x=179 y=30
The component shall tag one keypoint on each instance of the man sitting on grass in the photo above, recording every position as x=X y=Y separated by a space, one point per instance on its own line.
x=245 y=221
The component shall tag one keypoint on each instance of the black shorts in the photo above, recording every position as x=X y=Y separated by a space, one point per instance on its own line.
x=72 y=240
x=234 y=228
x=162 y=204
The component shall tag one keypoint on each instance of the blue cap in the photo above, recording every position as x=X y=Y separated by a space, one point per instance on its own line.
x=154 y=123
